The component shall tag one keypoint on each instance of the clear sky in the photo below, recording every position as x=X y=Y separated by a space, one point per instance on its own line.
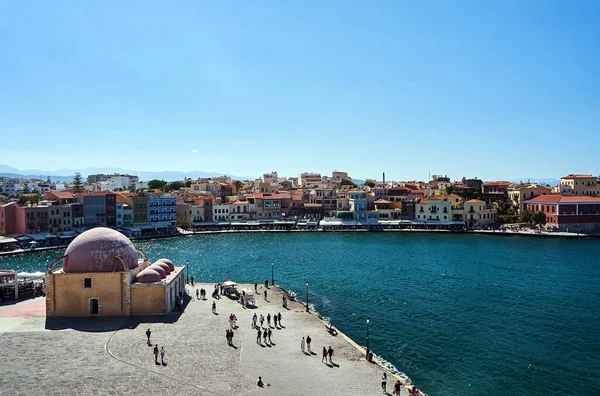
x=497 y=89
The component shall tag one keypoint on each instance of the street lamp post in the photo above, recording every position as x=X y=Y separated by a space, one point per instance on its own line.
x=272 y=275
x=187 y=274
x=368 y=320
x=306 y=296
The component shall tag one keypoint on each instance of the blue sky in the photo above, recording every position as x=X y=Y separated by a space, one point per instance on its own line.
x=495 y=89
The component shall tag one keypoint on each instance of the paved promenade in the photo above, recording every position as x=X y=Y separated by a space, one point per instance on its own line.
x=110 y=356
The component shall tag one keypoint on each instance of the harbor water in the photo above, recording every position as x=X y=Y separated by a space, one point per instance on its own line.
x=458 y=314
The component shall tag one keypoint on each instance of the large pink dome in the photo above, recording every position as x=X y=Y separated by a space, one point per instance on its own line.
x=96 y=250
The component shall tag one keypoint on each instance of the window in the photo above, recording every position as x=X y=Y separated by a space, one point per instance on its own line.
x=87 y=283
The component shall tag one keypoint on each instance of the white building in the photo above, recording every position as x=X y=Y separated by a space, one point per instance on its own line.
x=270 y=178
x=309 y=179
x=221 y=212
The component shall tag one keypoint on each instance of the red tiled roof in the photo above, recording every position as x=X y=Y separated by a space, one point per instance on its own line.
x=476 y=201
x=61 y=194
x=564 y=199
x=578 y=176
x=497 y=183
x=266 y=196
x=417 y=191
x=423 y=201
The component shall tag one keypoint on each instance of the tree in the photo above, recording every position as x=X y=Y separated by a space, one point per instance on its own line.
x=25 y=189
x=34 y=191
x=188 y=183
x=77 y=183
x=22 y=200
x=132 y=185
x=449 y=190
x=238 y=185
x=346 y=182
x=156 y=184
x=539 y=218
x=176 y=185
x=370 y=184
x=526 y=217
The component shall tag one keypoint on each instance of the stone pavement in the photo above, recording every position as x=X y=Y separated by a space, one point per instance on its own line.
x=110 y=355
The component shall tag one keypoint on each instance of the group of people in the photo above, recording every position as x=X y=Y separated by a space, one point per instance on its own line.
x=201 y=294
x=156 y=351
x=413 y=391
x=326 y=353
x=266 y=333
x=233 y=321
x=276 y=320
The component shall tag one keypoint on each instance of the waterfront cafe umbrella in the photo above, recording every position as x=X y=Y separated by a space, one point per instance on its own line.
x=33 y=243
x=229 y=283
x=31 y=275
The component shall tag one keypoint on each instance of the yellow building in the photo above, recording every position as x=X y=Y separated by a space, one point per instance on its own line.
x=476 y=212
x=519 y=194
x=581 y=184
x=102 y=275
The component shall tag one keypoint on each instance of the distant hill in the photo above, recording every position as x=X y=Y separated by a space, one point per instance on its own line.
x=67 y=174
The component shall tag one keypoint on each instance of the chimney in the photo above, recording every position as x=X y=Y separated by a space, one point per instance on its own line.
x=383 y=177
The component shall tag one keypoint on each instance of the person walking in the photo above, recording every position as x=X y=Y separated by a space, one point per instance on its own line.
x=308 y=340
x=265 y=295
x=279 y=318
x=269 y=320
x=192 y=279
x=265 y=335
x=275 y=320
x=324 y=358
x=258 y=336
x=302 y=344
x=156 y=354
x=148 y=332
x=384 y=382
x=214 y=307
x=270 y=332
x=197 y=294
x=227 y=336
x=162 y=355
x=255 y=287
x=330 y=353
x=397 y=387
x=254 y=317
x=262 y=320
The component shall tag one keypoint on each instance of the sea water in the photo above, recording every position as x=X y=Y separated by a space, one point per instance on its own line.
x=458 y=314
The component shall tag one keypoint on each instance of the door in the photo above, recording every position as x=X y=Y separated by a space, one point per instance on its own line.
x=94 y=306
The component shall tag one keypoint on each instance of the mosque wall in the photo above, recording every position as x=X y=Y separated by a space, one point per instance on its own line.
x=148 y=299
x=71 y=296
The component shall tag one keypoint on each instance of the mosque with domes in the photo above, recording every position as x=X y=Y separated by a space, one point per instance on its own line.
x=103 y=274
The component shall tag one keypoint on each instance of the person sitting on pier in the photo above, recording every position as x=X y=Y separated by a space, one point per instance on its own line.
x=331 y=330
x=414 y=391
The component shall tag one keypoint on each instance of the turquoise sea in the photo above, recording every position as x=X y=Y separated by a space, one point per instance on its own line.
x=459 y=314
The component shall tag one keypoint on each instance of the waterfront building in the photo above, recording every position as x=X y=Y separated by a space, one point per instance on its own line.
x=386 y=211
x=77 y=218
x=434 y=209
x=581 y=184
x=221 y=212
x=519 y=193
x=206 y=202
x=124 y=215
x=140 y=209
x=162 y=212
x=240 y=210
x=99 y=209
x=189 y=215
x=59 y=218
x=357 y=200
x=268 y=206
x=7 y=218
x=568 y=212
x=475 y=213
x=102 y=275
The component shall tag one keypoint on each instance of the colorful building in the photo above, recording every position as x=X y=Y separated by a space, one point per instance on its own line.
x=581 y=184
x=568 y=212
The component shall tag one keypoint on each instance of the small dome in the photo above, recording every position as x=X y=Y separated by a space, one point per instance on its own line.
x=164 y=266
x=159 y=269
x=169 y=263
x=97 y=250
x=148 y=275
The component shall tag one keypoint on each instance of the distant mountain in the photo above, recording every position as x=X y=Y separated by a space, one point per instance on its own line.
x=552 y=182
x=67 y=174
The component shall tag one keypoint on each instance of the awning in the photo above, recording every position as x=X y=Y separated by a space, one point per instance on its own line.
x=37 y=237
x=132 y=229
x=4 y=240
x=330 y=223
x=31 y=275
x=204 y=223
x=145 y=227
x=47 y=235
